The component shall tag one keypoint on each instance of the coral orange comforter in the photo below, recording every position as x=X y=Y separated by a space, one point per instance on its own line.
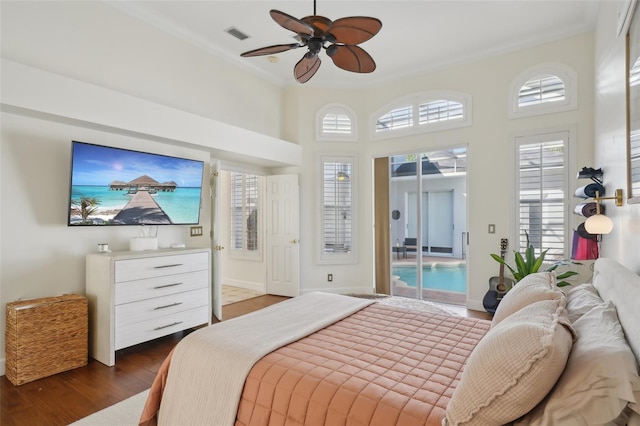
x=380 y=366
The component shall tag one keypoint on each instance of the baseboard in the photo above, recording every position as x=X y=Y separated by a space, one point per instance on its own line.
x=249 y=285
x=3 y=366
x=475 y=305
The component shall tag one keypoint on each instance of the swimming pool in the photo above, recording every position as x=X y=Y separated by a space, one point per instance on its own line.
x=448 y=278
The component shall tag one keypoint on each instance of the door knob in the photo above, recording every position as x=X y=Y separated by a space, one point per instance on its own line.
x=294 y=241
x=219 y=248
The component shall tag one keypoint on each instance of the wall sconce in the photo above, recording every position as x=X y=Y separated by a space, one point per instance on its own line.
x=599 y=223
x=342 y=176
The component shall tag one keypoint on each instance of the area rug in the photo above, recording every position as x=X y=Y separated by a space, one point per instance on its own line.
x=124 y=413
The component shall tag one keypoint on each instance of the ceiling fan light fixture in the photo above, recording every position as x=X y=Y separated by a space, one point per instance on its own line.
x=339 y=38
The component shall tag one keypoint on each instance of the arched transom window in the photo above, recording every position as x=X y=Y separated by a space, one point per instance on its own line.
x=543 y=89
x=423 y=112
x=336 y=123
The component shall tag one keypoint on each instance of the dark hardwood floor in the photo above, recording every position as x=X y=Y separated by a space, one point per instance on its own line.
x=66 y=397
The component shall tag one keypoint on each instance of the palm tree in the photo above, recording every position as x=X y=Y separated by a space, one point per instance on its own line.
x=86 y=206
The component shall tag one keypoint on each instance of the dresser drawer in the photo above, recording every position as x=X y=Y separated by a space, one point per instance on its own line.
x=151 y=267
x=131 y=291
x=131 y=313
x=133 y=334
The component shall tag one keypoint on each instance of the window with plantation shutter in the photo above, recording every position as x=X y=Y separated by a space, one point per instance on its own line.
x=543 y=89
x=245 y=214
x=337 y=233
x=336 y=123
x=542 y=182
x=634 y=128
x=422 y=113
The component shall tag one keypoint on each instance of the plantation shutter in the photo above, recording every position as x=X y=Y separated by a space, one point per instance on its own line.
x=541 y=89
x=398 y=118
x=542 y=193
x=440 y=110
x=337 y=207
x=245 y=197
x=336 y=124
x=236 y=211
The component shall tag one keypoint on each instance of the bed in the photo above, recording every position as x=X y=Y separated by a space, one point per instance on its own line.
x=548 y=357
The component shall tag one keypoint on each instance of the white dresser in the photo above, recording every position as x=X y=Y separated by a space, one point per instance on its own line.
x=139 y=296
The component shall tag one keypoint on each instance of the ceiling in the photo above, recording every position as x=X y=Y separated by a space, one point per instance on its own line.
x=416 y=36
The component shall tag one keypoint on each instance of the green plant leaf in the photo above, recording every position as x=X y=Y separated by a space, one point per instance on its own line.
x=535 y=267
x=566 y=274
x=500 y=260
x=530 y=258
x=522 y=268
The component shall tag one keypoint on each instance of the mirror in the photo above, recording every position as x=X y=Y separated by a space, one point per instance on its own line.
x=633 y=108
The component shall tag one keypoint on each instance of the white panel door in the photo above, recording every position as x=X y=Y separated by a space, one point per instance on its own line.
x=283 y=235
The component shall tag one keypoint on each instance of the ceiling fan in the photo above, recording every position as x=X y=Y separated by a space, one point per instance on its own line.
x=339 y=38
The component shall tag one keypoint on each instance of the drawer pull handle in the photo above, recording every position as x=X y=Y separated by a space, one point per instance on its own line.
x=167 y=306
x=167 y=285
x=173 y=265
x=167 y=326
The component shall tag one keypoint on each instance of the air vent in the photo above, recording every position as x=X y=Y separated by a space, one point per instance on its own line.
x=236 y=33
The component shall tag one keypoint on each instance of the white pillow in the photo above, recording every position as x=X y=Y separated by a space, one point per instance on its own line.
x=582 y=299
x=532 y=288
x=600 y=378
x=513 y=367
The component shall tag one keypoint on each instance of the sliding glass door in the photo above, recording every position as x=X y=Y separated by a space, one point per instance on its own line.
x=428 y=232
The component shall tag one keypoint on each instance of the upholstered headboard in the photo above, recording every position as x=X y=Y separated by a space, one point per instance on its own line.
x=618 y=284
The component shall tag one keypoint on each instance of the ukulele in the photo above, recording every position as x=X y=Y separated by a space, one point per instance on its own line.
x=498 y=286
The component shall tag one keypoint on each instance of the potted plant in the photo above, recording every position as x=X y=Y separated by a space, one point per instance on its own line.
x=528 y=264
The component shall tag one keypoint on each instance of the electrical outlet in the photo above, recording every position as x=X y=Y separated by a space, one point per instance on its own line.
x=330 y=277
x=196 y=231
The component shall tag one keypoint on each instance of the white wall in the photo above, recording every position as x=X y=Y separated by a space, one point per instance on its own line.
x=490 y=153
x=144 y=87
x=94 y=42
x=623 y=244
x=38 y=257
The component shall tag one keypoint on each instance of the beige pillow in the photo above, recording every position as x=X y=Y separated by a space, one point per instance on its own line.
x=600 y=378
x=581 y=299
x=513 y=367
x=532 y=288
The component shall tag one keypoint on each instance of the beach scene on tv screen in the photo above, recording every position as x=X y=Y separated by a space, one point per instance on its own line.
x=111 y=186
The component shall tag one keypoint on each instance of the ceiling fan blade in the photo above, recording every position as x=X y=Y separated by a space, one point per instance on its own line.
x=270 y=50
x=351 y=58
x=290 y=23
x=306 y=68
x=355 y=29
x=319 y=23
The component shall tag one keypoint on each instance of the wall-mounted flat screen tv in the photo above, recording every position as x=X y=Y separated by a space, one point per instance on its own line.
x=114 y=186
